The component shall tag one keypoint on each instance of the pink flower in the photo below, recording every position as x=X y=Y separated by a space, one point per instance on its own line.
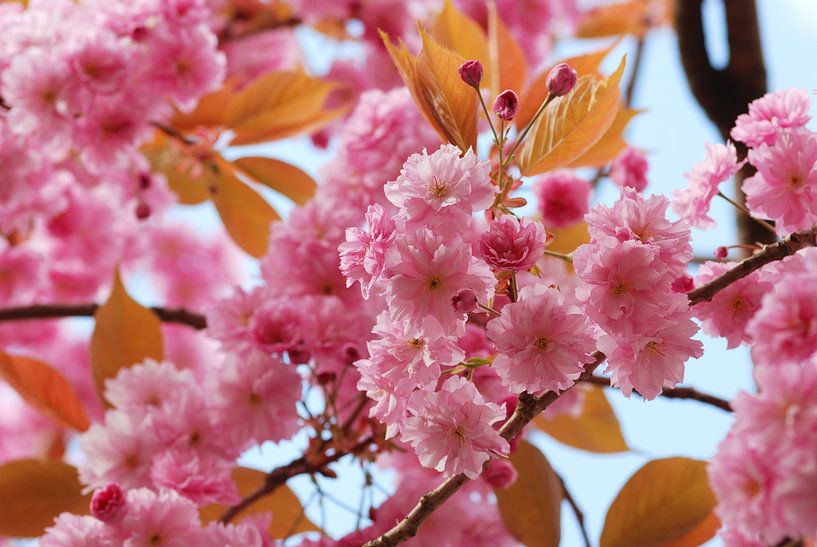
x=385 y=382
x=500 y=473
x=119 y=451
x=654 y=357
x=255 y=398
x=101 y=64
x=770 y=114
x=165 y=519
x=442 y=190
x=200 y=479
x=629 y=169
x=276 y=325
x=563 y=198
x=146 y=386
x=228 y=320
x=363 y=255
x=692 y=203
x=541 y=346
x=513 y=244
x=107 y=503
x=783 y=189
x=451 y=429
x=729 y=311
x=425 y=271
x=76 y=531
x=231 y=535
x=784 y=330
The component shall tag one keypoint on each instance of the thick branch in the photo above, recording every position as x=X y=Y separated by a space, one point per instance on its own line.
x=682 y=392
x=168 y=315
x=529 y=406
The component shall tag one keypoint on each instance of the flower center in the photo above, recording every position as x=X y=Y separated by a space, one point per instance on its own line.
x=542 y=342
x=434 y=283
x=438 y=188
x=620 y=288
x=417 y=343
x=655 y=347
x=795 y=180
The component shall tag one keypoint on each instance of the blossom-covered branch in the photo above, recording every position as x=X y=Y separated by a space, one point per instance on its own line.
x=54 y=311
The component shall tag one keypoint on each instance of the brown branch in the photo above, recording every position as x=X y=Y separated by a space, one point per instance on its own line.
x=529 y=406
x=639 y=54
x=576 y=511
x=168 y=315
x=682 y=392
x=281 y=475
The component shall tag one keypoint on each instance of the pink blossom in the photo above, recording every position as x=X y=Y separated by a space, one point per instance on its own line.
x=140 y=388
x=101 y=64
x=451 y=429
x=770 y=114
x=654 y=357
x=248 y=58
x=276 y=325
x=201 y=479
x=683 y=284
x=442 y=190
x=692 y=203
x=228 y=319
x=384 y=382
x=425 y=271
x=541 y=346
x=784 y=330
x=563 y=198
x=731 y=309
x=513 y=244
x=188 y=422
x=629 y=169
x=164 y=518
x=108 y=503
x=500 y=473
x=77 y=531
x=783 y=187
x=255 y=398
x=231 y=535
x=363 y=255
x=119 y=451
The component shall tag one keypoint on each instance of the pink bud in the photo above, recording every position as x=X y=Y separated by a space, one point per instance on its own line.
x=142 y=211
x=107 y=503
x=683 y=284
x=513 y=244
x=500 y=473
x=471 y=73
x=350 y=352
x=561 y=80
x=721 y=252
x=506 y=105
x=144 y=181
x=464 y=301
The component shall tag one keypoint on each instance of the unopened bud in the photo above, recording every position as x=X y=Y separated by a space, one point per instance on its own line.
x=561 y=80
x=142 y=210
x=721 y=252
x=107 y=503
x=506 y=105
x=465 y=301
x=144 y=181
x=471 y=73
x=350 y=353
x=500 y=473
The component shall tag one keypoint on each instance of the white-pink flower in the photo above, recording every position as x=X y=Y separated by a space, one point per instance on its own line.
x=451 y=429
x=165 y=519
x=541 y=345
x=363 y=254
x=770 y=114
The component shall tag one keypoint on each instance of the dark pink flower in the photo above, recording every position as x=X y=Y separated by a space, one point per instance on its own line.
x=513 y=244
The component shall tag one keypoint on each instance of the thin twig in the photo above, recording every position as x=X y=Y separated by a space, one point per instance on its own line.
x=639 y=54
x=576 y=511
x=682 y=392
x=173 y=132
x=54 y=311
x=748 y=213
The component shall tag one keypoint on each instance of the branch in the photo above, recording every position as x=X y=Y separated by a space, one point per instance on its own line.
x=281 y=475
x=529 y=406
x=168 y=315
x=677 y=393
x=576 y=511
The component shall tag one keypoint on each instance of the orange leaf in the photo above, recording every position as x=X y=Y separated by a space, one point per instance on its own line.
x=596 y=429
x=287 y=514
x=537 y=92
x=246 y=215
x=508 y=65
x=665 y=501
x=125 y=333
x=531 y=507
x=187 y=176
x=210 y=112
x=44 y=388
x=699 y=535
x=614 y=19
x=33 y=492
x=280 y=176
x=458 y=32
x=572 y=124
x=609 y=146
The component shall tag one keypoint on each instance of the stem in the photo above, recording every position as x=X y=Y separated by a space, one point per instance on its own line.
x=677 y=393
x=489 y=309
x=487 y=116
x=173 y=132
x=500 y=145
x=528 y=127
x=639 y=54
x=514 y=287
x=561 y=256
x=743 y=209
x=576 y=511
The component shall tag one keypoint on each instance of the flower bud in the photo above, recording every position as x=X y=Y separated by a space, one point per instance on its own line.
x=561 y=80
x=683 y=284
x=144 y=181
x=506 y=105
x=107 y=503
x=142 y=210
x=471 y=73
x=465 y=301
x=500 y=473
x=721 y=253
